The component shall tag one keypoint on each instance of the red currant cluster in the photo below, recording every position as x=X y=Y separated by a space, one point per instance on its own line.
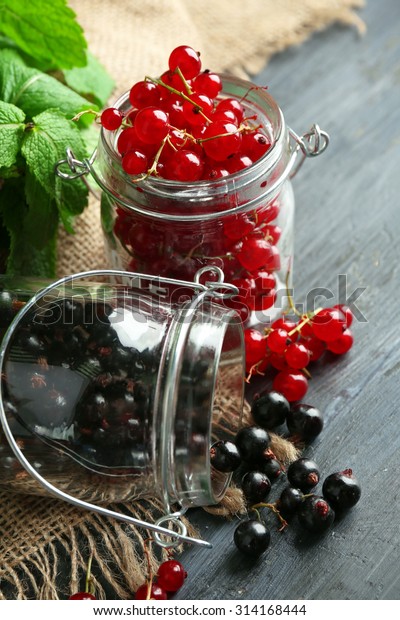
x=290 y=347
x=178 y=129
x=170 y=578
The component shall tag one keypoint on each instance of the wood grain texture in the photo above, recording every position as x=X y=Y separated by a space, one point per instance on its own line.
x=347 y=222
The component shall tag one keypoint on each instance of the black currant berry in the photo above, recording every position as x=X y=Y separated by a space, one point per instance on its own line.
x=272 y=468
x=252 y=442
x=341 y=490
x=304 y=422
x=270 y=409
x=252 y=537
x=255 y=486
x=315 y=514
x=224 y=456
x=303 y=474
x=289 y=502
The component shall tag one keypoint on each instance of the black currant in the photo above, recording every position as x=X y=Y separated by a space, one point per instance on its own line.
x=252 y=537
x=270 y=409
x=289 y=502
x=304 y=422
x=341 y=490
x=256 y=486
x=272 y=468
x=224 y=456
x=315 y=514
x=252 y=443
x=303 y=474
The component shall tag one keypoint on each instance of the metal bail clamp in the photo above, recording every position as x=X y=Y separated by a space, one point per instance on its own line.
x=311 y=144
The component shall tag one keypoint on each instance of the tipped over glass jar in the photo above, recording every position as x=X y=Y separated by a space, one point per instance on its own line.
x=114 y=389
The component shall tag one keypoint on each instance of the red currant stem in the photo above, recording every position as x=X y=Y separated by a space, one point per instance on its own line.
x=306 y=320
x=274 y=509
x=289 y=296
x=254 y=370
x=153 y=167
x=90 y=111
x=180 y=94
x=88 y=582
x=253 y=87
x=306 y=372
x=239 y=129
x=194 y=248
x=185 y=82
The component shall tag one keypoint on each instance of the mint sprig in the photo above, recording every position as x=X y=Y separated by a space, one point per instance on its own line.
x=46 y=31
x=36 y=109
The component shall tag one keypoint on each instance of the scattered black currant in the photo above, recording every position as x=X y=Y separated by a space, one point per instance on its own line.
x=224 y=456
x=315 y=514
x=270 y=409
x=255 y=486
x=252 y=537
x=303 y=474
x=252 y=443
x=289 y=502
x=304 y=422
x=272 y=468
x=341 y=490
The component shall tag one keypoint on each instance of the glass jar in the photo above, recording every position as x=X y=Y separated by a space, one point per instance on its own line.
x=113 y=391
x=242 y=223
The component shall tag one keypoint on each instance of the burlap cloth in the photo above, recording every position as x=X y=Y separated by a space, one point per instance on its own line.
x=133 y=38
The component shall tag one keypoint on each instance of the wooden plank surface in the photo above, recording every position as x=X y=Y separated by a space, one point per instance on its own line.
x=347 y=222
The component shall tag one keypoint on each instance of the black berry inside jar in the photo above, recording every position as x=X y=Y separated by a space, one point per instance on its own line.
x=196 y=172
x=114 y=393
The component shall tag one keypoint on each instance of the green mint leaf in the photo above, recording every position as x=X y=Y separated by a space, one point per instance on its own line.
x=34 y=91
x=47 y=31
x=91 y=81
x=23 y=257
x=43 y=146
x=11 y=131
x=41 y=221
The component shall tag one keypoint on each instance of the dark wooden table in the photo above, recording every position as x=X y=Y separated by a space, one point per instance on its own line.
x=347 y=222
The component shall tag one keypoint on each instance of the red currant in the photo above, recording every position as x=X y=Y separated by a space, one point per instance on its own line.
x=237 y=226
x=238 y=162
x=171 y=575
x=346 y=314
x=221 y=140
x=128 y=140
x=144 y=94
x=197 y=109
x=328 y=324
x=173 y=80
x=293 y=385
x=82 y=596
x=184 y=166
x=153 y=593
x=234 y=105
x=255 y=253
x=297 y=356
x=187 y=59
x=151 y=125
x=111 y=119
x=272 y=233
x=315 y=346
x=207 y=83
x=277 y=340
x=255 y=144
x=134 y=162
x=255 y=346
x=342 y=345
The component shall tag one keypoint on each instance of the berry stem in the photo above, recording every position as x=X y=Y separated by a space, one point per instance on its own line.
x=88 y=581
x=185 y=82
x=274 y=509
x=289 y=296
x=180 y=94
x=90 y=111
x=306 y=320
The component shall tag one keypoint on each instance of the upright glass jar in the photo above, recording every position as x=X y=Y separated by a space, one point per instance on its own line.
x=113 y=391
x=242 y=223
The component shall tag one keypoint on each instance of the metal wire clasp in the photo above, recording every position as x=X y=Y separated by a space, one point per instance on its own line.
x=311 y=144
